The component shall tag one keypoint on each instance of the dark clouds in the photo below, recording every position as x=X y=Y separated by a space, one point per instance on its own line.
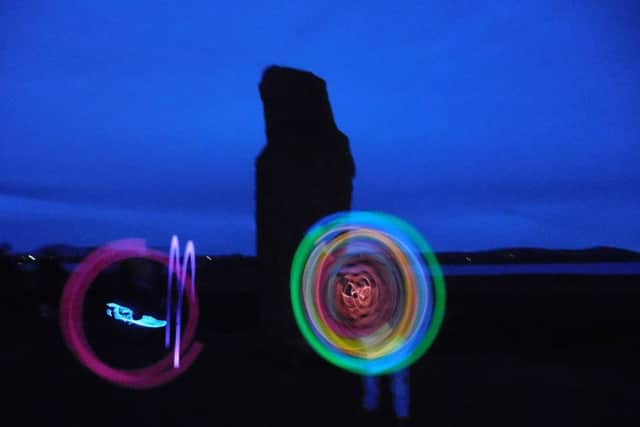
x=487 y=124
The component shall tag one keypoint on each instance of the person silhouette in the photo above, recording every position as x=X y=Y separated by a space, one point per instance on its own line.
x=364 y=301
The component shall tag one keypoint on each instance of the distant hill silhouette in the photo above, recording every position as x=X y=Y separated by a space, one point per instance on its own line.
x=490 y=256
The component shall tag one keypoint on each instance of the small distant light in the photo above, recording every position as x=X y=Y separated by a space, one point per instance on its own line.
x=467 y=258
x=209 y=258
x=31 y=257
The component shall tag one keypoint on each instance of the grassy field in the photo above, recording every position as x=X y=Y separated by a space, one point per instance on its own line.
x=513 y=351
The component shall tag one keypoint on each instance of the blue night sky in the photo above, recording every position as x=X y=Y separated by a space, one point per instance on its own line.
x=485 y=124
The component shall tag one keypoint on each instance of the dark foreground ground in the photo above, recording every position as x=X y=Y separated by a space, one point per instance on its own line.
x=513 y=351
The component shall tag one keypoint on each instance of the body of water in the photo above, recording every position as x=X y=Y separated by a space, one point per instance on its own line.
x=590 y=269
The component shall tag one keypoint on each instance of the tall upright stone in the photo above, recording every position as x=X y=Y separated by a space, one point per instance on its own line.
x=304 y=173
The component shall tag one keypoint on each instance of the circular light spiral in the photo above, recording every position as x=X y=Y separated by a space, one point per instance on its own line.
x=368 y=294
x=71 y=318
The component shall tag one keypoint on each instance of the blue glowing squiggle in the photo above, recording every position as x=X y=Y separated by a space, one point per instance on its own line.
x=125 y=314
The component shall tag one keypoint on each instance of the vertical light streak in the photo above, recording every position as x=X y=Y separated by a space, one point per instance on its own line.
x=180 y=272
x=174 y=268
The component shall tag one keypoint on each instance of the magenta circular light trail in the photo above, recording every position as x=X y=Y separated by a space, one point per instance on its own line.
x=72 y=308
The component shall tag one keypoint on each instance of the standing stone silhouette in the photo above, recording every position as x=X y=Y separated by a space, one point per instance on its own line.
x=304 y=173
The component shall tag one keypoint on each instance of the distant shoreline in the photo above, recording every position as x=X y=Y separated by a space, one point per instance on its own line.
x=507 y=261
x=591 y=269
x=596 y=268
x=523 y=255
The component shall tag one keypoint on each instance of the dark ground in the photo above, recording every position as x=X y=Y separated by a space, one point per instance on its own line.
x=513 y=351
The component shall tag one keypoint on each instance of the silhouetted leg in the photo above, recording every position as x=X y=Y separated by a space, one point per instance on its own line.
x=400 y=389
x=371 y=397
